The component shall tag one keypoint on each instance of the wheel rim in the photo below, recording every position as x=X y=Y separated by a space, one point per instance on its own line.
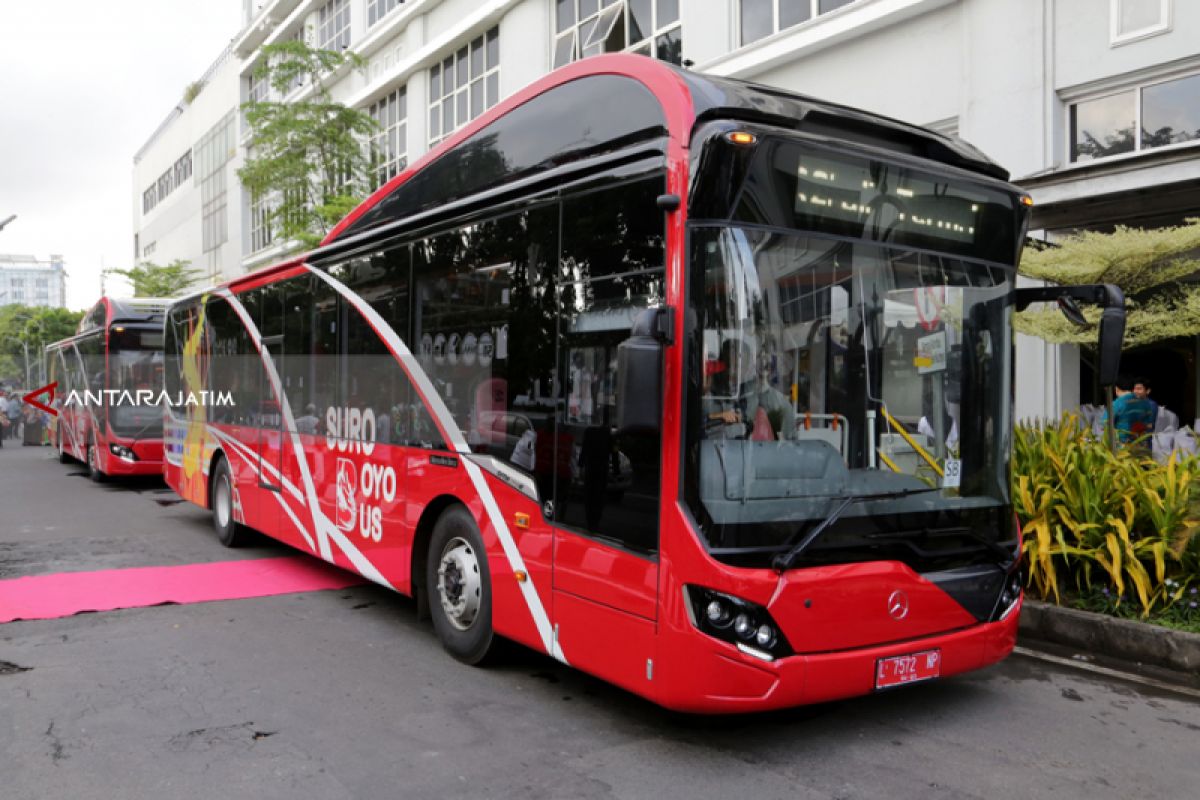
x=460 y=588
x=223 y=502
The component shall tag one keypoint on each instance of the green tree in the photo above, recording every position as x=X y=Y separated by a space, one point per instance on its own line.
x=25 y=331
x=1158 y=269
x=151 y=280
x=306 y=156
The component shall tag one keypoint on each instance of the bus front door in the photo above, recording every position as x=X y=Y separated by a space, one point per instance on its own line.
x=270 y=429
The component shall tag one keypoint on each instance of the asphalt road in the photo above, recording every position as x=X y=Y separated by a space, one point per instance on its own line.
x=344 y=694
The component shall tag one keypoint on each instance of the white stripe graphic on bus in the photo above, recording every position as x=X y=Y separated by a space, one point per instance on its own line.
x=250 y=457
x=445 y=420
x=324 y=529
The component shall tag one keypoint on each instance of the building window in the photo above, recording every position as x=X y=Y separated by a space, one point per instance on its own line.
x=148 y=250
x=463 y=85
x=761 y=18
x=333 y=25
x=213 y=152
x=260 y=223
x=257 y=88
x=589 y=27
x=1142 y=118
x=389 y=144
x=179 y=172
x=378 y=9
x=1137 y=19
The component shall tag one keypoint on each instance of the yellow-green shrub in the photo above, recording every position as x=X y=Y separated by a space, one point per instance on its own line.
x=1094 y=518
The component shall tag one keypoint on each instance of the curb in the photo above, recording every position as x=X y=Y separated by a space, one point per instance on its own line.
x=1118 y=638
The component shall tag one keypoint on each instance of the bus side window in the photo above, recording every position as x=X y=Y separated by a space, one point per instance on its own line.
x=611 y=269
x=484 y=332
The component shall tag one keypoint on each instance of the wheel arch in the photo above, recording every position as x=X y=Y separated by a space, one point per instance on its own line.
x=218 y=454
x=420 y=548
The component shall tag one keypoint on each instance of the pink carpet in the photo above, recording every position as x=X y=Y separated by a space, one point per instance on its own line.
x=63 y=594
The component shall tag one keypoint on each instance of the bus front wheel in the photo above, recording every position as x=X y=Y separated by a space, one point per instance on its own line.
x=460 y=587
x=93 y=464
x=229 y=532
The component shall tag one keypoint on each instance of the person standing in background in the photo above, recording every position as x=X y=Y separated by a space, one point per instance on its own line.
x=1133 y=416
x=1141 y=388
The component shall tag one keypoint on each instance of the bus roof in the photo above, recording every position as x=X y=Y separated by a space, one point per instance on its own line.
x=684 y=99
x=681 y=100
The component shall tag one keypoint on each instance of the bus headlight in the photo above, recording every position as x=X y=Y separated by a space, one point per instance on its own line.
x=122 y=452
x=747 y=626
x=1009 y=596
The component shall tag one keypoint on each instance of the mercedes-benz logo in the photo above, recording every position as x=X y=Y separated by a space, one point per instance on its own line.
x=897 y=605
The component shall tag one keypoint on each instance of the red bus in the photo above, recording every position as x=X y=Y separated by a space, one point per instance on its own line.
x=110 y=379
x=699 y=386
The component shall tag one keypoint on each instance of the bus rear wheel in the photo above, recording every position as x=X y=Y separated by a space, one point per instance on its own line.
x=460 y=587
x=229 y=532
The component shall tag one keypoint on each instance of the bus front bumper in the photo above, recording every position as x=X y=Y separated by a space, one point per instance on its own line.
x=147 y=458
x=749 y=684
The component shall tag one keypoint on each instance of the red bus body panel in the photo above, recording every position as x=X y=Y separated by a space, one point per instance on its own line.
x=611 y=613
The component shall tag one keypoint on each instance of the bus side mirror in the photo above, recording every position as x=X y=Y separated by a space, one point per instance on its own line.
x=640 y=372
x=1112 y=318
x=1112 y=334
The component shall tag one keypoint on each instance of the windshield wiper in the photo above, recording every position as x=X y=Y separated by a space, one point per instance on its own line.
x=783 y=562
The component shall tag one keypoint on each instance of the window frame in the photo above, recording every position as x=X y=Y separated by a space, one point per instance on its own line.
x=380 y=9
x=1116 y=38
x=814 y=14
x=1137 y=89
x=331 y=35
x=436 y=102
x=391 y=164
x=647 y=45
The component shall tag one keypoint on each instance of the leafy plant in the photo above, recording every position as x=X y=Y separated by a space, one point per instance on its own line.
x=1096 y=519
x=152 y=280
x=1156 y=269
x=305 y=155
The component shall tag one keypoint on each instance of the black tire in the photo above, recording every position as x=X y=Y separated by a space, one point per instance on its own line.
x=460 y=595
x=220 y=482
x=63 y=458
x=93 y=464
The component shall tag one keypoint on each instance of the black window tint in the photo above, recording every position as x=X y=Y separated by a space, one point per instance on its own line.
x=375 y=383
x=325 y=349
x=612 y=231
x=610 y=269
x=91 y=349
x=269 y=316
x=171 y=354
x=228 y=370
x=484 y=333
x=299 y=368
x=578 y=120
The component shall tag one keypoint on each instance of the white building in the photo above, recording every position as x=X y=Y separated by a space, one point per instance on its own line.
x=32 y=281
x=185 y=188
x=1094 y=105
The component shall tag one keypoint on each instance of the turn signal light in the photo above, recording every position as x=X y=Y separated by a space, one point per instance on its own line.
x=741 y=137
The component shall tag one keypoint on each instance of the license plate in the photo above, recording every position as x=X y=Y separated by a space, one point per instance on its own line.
x=899 y=670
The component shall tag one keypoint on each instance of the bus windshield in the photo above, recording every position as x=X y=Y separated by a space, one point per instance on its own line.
x=135 y=362
x=826 y=366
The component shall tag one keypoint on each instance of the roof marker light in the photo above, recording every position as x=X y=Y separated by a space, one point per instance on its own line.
x=1026 y=200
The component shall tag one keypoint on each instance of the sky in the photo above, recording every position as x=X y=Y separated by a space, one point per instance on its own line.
x=83 y=85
